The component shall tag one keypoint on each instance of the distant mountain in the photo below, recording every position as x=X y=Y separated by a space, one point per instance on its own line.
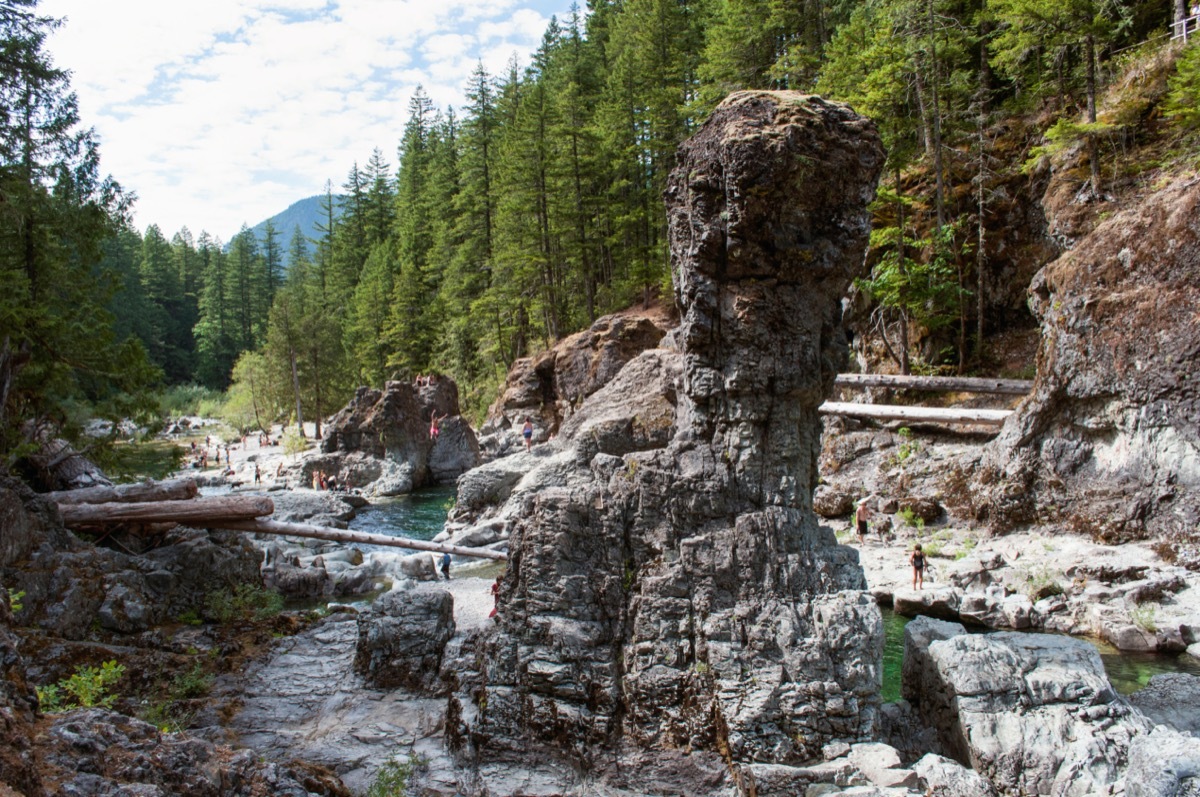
x=305 y=214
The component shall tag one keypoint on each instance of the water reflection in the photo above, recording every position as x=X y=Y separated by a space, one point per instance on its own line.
x=419 y=516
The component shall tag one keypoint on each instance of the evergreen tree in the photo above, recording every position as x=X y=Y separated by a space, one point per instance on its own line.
x=216 y=330
x=56 y=338
x=409 y=334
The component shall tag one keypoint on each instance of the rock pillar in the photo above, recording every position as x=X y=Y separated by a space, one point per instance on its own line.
x=684 y=598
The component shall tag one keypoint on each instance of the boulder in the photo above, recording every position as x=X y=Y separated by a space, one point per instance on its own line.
x=1171 y=699
x=1033 y=713
x=832 y=502
x=402 y=638
x=381 y=440
x=419 y=566
x=1163 y=763
x=311 y=506
x=668 y=585
x=550 y=386
x=95 y=753
x=943 y=777
x=309 y=582
x=939 y=603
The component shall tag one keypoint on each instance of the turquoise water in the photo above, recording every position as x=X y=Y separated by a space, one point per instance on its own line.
x=1128 y=672
x=419 y=516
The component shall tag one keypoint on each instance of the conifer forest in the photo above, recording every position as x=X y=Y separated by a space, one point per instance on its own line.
x=484 y=233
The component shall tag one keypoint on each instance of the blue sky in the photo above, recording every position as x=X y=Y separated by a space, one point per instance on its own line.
x=226 y=111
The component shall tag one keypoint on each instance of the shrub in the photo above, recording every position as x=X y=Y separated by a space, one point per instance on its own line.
x=392 y=778
x=166 y=716
x=191 y=400
x=911 y=518
x=293 y=443
x=1144 y=616
x=89 y=686
x=14 y=599
x=190 y=617
x=246 y=602
x=1183 y=96
x=1041 y=583
x=193 y=683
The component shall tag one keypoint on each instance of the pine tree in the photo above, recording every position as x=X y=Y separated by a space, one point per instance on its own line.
x=56 y=339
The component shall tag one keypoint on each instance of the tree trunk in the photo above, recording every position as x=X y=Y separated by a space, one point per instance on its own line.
x=192 y=512
x=296 y=390
x=889 y=412
x=945 y=384
x=173 y=490
x=359 y=537
x=1093 y=143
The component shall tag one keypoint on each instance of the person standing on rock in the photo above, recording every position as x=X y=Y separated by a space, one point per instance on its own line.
x=917 y=558
x=495 y=596
x=527 y=433
x=860 y=518
x=446 y=565
x=257 y=474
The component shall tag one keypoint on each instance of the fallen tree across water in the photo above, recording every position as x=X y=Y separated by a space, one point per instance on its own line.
x=363 y=538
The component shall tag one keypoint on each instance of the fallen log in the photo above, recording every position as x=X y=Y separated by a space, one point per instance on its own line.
x=945 y=384
x=196 y=512
x=892 y=412
x=173 y=490
x=361 y=537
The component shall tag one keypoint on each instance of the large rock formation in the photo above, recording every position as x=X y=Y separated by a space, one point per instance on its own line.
x=549 y=387
x=72 y=588
x=381 y=442
x=682 y=596
x=1110 y=438
x=1033 y=713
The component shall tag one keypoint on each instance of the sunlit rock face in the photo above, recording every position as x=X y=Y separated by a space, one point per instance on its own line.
x=682 y=596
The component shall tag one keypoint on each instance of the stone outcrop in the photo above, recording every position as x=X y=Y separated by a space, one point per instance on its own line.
x=1109 y=440
x=18 y=702
x=1163 y=763
x=381 y=442
x=402 y=638
x=96 y=753
x=1171 y=699
x=550 y=386
x=1034 y=714
x=669 y=586
x=71 y=587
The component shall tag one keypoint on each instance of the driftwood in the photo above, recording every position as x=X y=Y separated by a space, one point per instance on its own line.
x=945 y=384
x=196 y=512
x=174 y=490
x=339 y=535
x=891 y=412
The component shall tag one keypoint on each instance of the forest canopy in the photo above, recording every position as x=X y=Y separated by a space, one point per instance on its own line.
x=535 y=207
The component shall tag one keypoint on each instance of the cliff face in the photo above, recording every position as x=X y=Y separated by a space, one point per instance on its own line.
x=683 y=596
x=1109 y=441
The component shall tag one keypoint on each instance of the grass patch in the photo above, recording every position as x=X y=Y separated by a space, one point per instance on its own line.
x=1144 y=616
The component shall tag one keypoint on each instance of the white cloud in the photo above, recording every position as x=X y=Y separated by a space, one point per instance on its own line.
x=227 y=111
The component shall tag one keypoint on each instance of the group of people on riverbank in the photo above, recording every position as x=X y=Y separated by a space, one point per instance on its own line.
x=916 y=557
